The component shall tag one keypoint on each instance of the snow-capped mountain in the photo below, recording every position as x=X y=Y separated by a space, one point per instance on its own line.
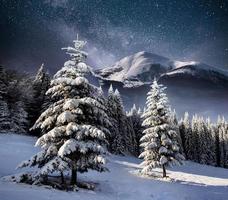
x=142 y=67
x=191 y=86
x=196 y=72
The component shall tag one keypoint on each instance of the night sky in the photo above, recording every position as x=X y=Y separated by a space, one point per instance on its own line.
x=33 y=31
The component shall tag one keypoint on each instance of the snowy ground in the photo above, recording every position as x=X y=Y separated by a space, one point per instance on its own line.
x=192 y=181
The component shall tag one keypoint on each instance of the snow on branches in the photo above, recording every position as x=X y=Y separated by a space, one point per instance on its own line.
x=75 y=126
x=159 y=140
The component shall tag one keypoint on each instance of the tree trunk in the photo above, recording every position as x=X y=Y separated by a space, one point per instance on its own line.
x=62 y=178
x=73 y=176
x=164 y=171
x=45 y=179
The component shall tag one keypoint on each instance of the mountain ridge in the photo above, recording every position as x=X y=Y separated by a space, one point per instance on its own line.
x=142 y=67
x=191 y=86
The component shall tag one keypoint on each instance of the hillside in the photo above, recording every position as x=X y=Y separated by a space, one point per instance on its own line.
x=191 y=181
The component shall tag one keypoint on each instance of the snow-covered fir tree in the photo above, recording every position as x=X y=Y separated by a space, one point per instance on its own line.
x=206 y=150
x=123 y=135
x=222 y=142
x=18 y=96
x=211 y=142
x=195 y=138
x=159 y=142
x=4 y=109
x=186 y=136
x=39 y=101
x=117 y=146
x=73 y=132
x=135 y=116
x=119 y=141
x=175 y=127
x=126 y=131
x=204 y=142
x=19 y=118
x=15 y=92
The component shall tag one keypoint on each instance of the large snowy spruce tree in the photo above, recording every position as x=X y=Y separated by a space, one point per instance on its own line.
x=159 y=142
x=74 y=126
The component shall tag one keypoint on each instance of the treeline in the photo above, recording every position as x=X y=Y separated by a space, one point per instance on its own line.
x=202 y=141
x=22 y=99
x=205 y=142
x=78 y=125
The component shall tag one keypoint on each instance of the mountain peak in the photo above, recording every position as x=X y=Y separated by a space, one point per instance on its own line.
x=142 y=67
x=128 y=68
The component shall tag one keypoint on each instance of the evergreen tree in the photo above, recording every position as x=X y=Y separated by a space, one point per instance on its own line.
x=135 y=116
x=195 y=139
x=175 y=127
x=221 y=142
x=18 y=95
x=19 y=121
x=159 y=142
x=114 y=139
x=73 y=137
x=187 y=137
x=120 y=141
x=125 y=141
x=123 y=134
x=211 y=143
x=4 y=110
x=203 y=141
x=39 y=101
x=40 y=87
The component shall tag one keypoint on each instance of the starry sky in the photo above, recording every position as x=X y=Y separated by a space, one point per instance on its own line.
x=33 y=31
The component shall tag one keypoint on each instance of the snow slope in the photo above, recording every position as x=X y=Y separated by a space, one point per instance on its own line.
x=192 y=181
x=134 y=65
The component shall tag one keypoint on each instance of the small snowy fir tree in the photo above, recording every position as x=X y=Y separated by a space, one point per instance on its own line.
x=210 y=137
x=222 y=142
x=115 y=112
x=18 y=95
x=39 y=101
x=74 y=137
x=186 y=136
x=195 y=138
x=19 y=121
x=127 y=134
x=119 y=140
x=123 y=135
x=159 y=142
x=175 y=127
x=203 y=143
x=135 y=116
x=112 y=113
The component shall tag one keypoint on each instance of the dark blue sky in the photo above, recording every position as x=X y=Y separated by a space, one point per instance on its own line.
x=34 y=31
